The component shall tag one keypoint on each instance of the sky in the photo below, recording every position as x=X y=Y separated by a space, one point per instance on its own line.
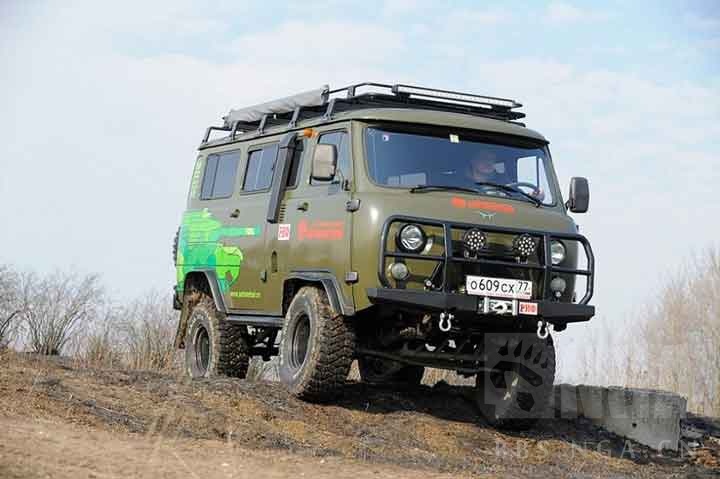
x=103 y=104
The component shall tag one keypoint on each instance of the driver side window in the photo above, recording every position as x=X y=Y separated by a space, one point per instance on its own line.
x=531 y=170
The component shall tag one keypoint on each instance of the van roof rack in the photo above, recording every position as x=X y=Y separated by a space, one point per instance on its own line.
x=324 y=102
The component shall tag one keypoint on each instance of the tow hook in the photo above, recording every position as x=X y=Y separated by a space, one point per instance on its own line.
x=445 y=323
x=544 y=329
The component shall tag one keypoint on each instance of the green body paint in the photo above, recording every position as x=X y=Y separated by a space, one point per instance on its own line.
x=200 y=246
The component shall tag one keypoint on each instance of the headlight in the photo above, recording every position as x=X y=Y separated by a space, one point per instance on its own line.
x=411 y=238
x=557 y=252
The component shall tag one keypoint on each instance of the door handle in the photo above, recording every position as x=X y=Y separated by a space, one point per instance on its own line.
x=235 y=213
x=303 y=206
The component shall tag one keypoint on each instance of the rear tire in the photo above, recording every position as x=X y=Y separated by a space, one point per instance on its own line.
x=317 y=347
x=383 y=371
x=517 y=392
x=213 y=345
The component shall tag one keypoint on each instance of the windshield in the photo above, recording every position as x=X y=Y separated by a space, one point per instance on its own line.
x=408 y=159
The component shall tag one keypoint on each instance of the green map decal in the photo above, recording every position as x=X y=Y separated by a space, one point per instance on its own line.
x=200 y=246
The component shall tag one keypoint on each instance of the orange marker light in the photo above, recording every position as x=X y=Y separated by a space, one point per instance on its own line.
x=308 y=132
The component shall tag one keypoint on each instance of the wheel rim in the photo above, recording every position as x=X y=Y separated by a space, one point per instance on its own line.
x=202 y=349
x=300 y=340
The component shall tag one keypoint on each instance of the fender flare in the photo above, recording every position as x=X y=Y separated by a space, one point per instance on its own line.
x=211 y=278
x=330 y=284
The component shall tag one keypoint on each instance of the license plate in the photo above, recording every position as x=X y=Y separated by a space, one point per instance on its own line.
x=498 y=287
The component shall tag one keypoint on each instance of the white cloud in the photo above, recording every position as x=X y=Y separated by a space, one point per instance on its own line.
x=336 y=43
x=399 y=7
x=561 y=12
x=704 y=23
x=475 y=18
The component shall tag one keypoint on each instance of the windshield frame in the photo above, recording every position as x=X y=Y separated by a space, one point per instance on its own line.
x=477 y=135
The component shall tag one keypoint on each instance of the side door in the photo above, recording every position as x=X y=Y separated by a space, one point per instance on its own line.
x=209 y=241
x=317 y=216
x=279 y=235
x=247 y=218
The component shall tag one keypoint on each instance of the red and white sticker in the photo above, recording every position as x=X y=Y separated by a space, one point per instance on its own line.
x=530 y=309
x=284 y=232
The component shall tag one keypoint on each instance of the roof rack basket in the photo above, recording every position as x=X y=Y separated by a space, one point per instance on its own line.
x=323 y=103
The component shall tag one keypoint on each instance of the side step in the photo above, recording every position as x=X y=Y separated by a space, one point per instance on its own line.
x=257 y=320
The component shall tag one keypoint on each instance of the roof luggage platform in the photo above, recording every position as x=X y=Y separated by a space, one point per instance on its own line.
x=323 y=103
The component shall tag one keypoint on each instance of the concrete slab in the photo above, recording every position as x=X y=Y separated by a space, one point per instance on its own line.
x=647 y=416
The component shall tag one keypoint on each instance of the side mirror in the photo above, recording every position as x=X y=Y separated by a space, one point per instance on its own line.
x=579 y=195
x=324 y=162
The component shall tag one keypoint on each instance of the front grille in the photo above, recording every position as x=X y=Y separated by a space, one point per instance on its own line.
x=444 y=265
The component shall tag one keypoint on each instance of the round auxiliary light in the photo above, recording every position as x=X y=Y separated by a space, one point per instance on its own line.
x=557 y=252
x=399 y=271
x=474 y=240
x=411 y=238
x=557 y=286
x=524 y=245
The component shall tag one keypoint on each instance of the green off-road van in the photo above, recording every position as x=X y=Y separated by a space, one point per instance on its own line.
x=403 y=227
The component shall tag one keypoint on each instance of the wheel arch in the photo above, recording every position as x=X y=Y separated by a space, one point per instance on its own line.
x=204 y=281
x=325 y=280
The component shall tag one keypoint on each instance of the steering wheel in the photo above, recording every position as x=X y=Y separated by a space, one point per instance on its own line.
x=534 y=189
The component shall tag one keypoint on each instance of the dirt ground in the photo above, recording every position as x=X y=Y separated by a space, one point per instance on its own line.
x=58 y=419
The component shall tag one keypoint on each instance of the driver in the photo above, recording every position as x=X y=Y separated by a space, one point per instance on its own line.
x=482 y=168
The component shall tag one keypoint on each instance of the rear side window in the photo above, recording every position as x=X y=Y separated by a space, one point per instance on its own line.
x=209 y=177
x=260 y=168
x=220 y=174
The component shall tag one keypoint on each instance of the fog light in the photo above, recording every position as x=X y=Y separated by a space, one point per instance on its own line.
x=474 y=240
x=399 y=271
x=524 y=245
x=557 y=286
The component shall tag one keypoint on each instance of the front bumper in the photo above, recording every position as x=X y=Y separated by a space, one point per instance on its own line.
x=437 y=301
x=446 y=294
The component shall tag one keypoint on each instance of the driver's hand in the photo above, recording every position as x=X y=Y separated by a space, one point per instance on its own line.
x=539 y=194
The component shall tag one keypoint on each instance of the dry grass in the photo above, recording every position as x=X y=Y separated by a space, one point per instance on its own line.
x=433 y=429
x=674 y=344
x=137 y=336
x=10 y=304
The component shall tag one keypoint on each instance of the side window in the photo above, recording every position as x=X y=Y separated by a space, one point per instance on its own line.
x=527 y=170
x=341 y=141
x=220 y=173
x=531 y=170
x=258 y=175
x=209 y=177
x=226 y=174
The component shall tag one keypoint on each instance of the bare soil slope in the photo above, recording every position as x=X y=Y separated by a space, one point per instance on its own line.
x=61 y=420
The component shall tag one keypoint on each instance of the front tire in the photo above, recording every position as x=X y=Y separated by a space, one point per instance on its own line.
x=317 y=347
x=516 y=393
x=213 y=345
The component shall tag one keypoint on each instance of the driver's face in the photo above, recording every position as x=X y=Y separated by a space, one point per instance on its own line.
x=482 y=168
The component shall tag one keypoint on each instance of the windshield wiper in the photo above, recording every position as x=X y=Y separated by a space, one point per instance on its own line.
x=421 y=188
x=510 y=189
